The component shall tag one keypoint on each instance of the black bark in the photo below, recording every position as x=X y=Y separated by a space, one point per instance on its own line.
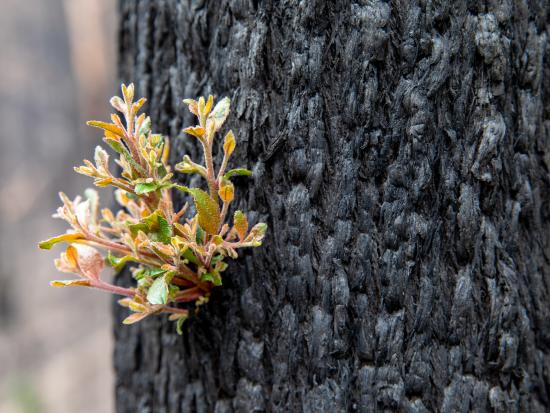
x=401 y=154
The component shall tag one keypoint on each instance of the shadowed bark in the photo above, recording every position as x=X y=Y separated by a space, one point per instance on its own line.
x=400 y=157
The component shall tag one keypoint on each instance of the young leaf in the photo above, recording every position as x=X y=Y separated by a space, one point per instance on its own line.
x=145 y=126
x=88 y=259
x=49 y=243
x=192 y=105
x=145 y=187
x=164 y=232
x=257 y=233
x=70 y=283
x=237 y=171
x=226 y=191
x=219 y=113
x=190 y=256
x=179 y=323
x=214 y=278
x=155 y=225
x=116 y=145
x=128 y=93
x=197 y=131
x=207 y=209
x=158 y=292
x=106 y=126
x=241 y=224
x=118 y=103
x=118 y=262
x=229 y=143
x=134 y=318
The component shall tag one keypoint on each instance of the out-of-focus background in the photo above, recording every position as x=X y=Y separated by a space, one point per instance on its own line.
x=58 y=60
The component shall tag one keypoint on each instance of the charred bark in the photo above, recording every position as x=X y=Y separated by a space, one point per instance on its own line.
x=400 y=153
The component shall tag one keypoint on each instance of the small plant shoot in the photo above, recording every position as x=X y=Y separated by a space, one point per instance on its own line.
x=176 y=258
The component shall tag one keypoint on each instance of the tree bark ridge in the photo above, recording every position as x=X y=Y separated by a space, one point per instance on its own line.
x=400 y=158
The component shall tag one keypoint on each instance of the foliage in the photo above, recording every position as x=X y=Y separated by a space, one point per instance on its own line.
x=179 y=260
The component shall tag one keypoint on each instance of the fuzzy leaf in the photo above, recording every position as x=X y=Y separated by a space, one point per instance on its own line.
x=214 y=278
x=145 y=187
x=116 y=145
x=229 y=143
x=241 y=224
x=165 y=230
x=192 y=105
x=226 y=191
x=70 y=283
x=155 y=225
x=118 y=262
x=220 y=112
x=197 y=131
x=145 y=126
x=257 y=234
x=207 y=209
x=134 y=318
x=158 y=292
x=88 y=258
x=128 y=92
x=49 y=243
x=106 y=126
x=179 y=323
x=237 y=171
x=118 y=103
x=190 y=256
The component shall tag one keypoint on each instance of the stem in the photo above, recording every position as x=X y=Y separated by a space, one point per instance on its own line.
x=121 y=185
x=102 y=285
x=223 y=213
x=207 y=147
x=188 y=295
x=222 y=167
x=115 y=246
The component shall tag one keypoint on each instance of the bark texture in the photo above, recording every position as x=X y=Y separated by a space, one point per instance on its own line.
x=401 y=159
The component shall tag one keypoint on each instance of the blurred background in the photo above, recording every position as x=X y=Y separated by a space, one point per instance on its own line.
x=58 y=70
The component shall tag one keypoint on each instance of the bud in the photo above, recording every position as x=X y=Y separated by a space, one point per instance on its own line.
x=229 y=143
x=226 y=191
x=240 y=223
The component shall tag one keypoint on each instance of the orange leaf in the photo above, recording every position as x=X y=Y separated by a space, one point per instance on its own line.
x=106 y=126
x=70 y=283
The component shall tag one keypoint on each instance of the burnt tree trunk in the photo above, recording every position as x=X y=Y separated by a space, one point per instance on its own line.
x=401 y=160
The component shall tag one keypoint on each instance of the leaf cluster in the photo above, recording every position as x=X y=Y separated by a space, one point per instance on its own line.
x=177 y=258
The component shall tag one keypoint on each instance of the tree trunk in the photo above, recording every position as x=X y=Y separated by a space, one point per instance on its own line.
x=400 y=153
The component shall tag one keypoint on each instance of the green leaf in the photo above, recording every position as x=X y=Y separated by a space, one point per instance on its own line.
x=180 y=322
x=199 y=236
x=161 y=169
x=118 y=262
x=216 y=258
x=239 y=172
x=145 y=126
x=158 y=292
x=145 y=187
x=49 y=243
x=155 y=225
x=116 y=145
x=214 y=278
x=190 y=256
x=207 y=209
x=134 y=164
x=165 y=230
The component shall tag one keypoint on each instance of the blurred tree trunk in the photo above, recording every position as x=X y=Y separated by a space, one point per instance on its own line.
x=400 y=154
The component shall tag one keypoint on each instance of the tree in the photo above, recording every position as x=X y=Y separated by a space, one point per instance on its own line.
x=400 y=157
